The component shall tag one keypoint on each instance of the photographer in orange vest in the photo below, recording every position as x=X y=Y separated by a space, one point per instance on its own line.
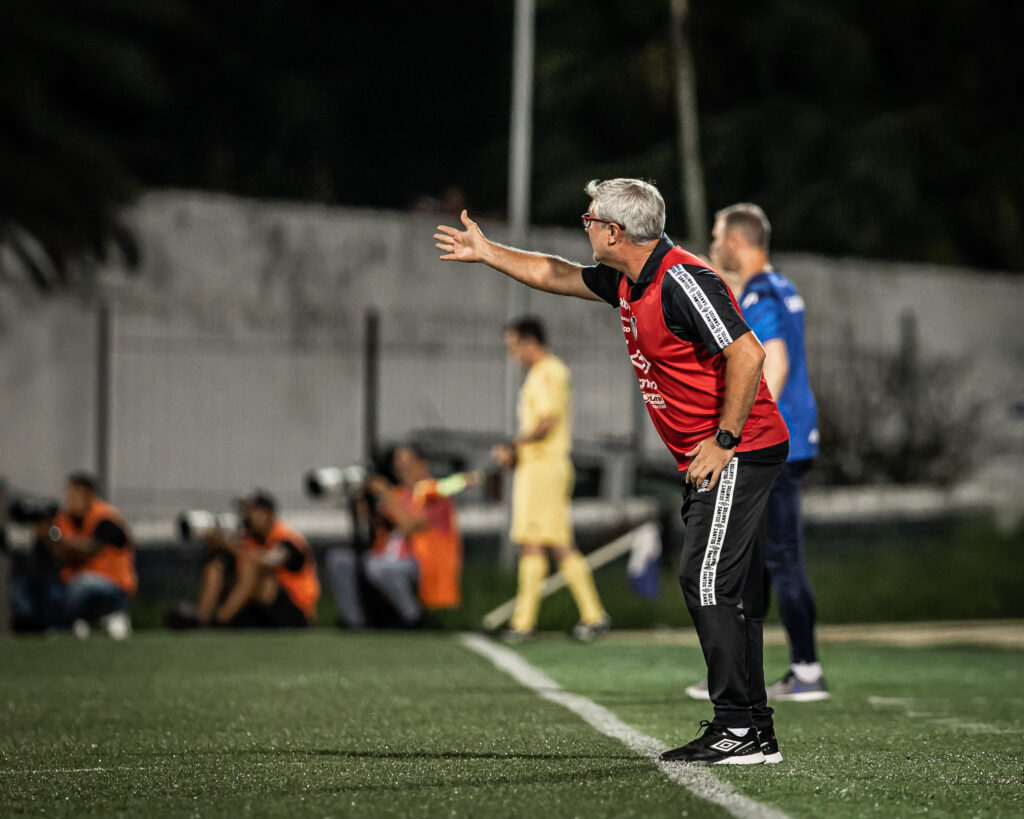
x=98 y=559
x=275 y=583
x=416 y=558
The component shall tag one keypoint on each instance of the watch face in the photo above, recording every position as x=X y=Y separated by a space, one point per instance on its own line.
x=725 y=439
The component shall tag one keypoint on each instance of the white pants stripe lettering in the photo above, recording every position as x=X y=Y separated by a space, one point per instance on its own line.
x=716 y=537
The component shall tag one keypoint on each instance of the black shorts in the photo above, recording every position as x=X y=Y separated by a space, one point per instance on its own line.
x=281 y=613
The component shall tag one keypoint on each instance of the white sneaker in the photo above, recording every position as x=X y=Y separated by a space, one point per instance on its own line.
x=698 y=691
x=118 y=625
x=791 y=689
x=81 y=629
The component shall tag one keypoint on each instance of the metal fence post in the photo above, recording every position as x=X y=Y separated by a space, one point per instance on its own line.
x=5 y=564
x=103 y=367
x=371 y=383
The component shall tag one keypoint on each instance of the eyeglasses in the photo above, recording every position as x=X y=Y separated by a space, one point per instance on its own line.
x=587 y=219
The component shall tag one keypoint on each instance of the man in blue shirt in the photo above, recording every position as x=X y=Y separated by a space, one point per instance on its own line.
x=774 y=310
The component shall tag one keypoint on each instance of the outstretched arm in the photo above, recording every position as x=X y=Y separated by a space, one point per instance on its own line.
x=537 y=270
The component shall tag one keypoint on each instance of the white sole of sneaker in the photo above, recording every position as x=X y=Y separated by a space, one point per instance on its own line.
x=773 y=759
x=806 y=696
x=695 y=693
x=747 y=759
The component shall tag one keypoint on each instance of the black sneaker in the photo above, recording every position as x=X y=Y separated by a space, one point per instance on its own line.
x=769 y=746
x=719 y=746
x=588 y=632
x=515 y=638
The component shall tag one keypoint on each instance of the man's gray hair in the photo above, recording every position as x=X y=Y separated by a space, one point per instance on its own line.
x=633 y=203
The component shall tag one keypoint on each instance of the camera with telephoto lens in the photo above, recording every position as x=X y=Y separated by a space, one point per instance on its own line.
x=333 y=481
x=28 y=511
x=194 y=524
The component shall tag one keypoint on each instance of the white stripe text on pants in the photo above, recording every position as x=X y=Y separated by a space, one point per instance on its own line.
x=716 y=537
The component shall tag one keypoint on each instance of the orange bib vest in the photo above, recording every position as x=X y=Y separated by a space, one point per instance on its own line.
x=115 y=562
x=302 y=586
x=437 y=552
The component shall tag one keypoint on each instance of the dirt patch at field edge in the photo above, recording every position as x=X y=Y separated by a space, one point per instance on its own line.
x=998 y=633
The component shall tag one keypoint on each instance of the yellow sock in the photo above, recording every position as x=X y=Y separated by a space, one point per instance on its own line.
x=581 y=583
x=532 y=571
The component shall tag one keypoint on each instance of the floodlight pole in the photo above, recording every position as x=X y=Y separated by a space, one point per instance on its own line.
x=519 y=161
x=519 y=170
x=689 y=130
x=521 y=129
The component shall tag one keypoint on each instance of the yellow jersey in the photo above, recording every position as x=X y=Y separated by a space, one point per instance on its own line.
x=546 y=391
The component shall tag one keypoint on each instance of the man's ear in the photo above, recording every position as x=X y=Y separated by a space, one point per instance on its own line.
x=735 y=240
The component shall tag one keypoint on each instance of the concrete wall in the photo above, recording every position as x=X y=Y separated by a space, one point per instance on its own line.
x=238 y=347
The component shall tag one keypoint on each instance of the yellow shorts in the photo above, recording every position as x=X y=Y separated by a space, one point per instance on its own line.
x=541 y=493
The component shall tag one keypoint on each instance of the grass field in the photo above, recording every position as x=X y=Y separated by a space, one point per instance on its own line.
x=330 y=724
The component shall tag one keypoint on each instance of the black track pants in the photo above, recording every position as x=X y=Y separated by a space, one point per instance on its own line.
x=722 y=576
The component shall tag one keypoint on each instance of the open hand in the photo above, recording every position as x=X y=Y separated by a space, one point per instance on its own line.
x=504 y=455
x=461 y=245
x=709 y=459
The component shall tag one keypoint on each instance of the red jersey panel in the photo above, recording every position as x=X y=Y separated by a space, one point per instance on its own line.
x=683 y=381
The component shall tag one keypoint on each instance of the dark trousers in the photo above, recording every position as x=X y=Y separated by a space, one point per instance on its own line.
x=784 y=559
x=42 y=603
x=722 y=577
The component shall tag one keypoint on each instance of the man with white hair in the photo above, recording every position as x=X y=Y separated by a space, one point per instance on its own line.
x=699 y=369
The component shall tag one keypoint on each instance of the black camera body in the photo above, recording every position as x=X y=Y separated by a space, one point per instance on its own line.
x=29 y=511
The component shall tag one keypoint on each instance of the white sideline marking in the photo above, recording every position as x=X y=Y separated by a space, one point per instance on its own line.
x=112 y=768
x=890 y=702
x=695 y=778
x=906 y=705
x=15 y=771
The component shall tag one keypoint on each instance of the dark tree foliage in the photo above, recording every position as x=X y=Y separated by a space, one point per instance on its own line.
x=879 y=129
x=365 y=104
x=888 y=129
x=76 y=84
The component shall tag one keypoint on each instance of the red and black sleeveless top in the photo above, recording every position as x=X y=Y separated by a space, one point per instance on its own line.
x=676 y=320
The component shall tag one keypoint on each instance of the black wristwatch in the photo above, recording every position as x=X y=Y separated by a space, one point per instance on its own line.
x=726 y=440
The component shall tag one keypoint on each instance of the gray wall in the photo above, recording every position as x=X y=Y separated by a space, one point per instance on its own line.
x=238 y=347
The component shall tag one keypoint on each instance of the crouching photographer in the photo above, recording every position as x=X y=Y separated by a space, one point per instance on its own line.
x=90 y=542
x=261 y=575
x=415 y=561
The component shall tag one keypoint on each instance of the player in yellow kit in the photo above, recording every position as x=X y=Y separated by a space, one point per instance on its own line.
x=542 y=485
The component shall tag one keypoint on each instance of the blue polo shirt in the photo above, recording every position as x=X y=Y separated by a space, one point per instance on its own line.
x=773 y=309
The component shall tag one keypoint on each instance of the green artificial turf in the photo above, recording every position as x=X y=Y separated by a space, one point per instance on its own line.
x=335 y=724
x=313 y=724
x=908 y=732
